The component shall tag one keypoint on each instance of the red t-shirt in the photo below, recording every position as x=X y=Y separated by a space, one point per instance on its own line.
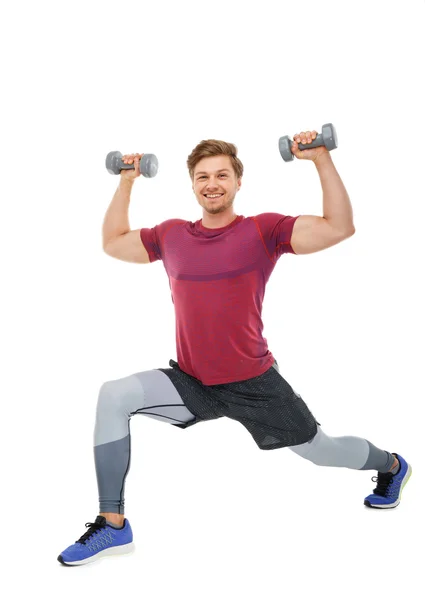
x=217 y=279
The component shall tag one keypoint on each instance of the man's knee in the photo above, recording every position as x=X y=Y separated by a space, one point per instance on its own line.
x=307 y=450
x=112 y=413
x=113 y=395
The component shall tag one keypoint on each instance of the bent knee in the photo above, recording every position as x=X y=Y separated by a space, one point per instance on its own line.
x=116 y=396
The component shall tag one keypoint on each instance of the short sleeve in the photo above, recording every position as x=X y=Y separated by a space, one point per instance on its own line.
x=276 y=231
x=150 y=240
x=153 y=238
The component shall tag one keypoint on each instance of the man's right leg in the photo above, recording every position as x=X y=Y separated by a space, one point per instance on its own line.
x=149 y=393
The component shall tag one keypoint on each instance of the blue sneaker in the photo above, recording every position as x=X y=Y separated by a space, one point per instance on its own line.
x=100 y=540
x=387 y=493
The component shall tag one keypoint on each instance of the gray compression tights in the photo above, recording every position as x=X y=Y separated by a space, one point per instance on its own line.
x=151 y=393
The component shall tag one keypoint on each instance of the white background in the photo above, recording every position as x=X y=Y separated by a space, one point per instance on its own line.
x=212 y=515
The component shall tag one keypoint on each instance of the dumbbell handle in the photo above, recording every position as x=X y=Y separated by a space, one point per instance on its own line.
x=124 y=167
x=314 y=144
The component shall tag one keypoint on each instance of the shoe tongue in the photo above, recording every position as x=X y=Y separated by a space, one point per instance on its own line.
x=384 y=476
x=100 y=520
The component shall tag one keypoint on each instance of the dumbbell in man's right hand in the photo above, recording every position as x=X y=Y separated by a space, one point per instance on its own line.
x=115 y=164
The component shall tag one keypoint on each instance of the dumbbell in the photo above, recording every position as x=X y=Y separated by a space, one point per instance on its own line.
x=148 y=164
x=327 y=138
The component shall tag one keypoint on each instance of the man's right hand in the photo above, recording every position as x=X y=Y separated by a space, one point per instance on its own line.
x=129 y=159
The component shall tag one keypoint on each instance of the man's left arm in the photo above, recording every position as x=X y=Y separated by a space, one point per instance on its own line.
x=312 y=233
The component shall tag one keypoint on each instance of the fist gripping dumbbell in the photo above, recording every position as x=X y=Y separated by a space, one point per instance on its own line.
x=327 y=138
x=148 y=164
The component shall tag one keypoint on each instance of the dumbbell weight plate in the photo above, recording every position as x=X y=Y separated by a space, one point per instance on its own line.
x=148 y=164
x=329 y=136
x=285 y=148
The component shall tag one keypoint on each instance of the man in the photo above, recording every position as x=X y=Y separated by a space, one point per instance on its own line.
x=218 y=268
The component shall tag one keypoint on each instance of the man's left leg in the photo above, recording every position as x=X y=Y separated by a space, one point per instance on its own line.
x=357 y=453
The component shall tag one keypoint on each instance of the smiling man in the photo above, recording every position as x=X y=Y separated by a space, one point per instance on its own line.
x=218 y=268
x=216 y=189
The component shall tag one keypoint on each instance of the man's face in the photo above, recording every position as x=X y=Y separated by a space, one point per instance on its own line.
x=214 y=176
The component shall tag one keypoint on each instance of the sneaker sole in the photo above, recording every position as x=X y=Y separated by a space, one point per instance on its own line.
x=114 y=551
x=397 y=502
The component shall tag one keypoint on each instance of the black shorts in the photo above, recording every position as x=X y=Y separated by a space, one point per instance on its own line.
x=274 y=414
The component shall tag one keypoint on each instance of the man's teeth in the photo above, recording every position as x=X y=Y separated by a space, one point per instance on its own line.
x=213 y=195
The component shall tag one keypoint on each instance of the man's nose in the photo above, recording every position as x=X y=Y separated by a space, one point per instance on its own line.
x=212 y=183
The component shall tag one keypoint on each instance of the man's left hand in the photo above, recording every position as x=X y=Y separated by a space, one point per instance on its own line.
x=306 y=137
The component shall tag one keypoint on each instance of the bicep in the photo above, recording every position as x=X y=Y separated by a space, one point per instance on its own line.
x=312 y=234
x=128 y=247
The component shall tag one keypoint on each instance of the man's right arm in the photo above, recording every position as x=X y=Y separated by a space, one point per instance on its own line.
x=118 y=241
